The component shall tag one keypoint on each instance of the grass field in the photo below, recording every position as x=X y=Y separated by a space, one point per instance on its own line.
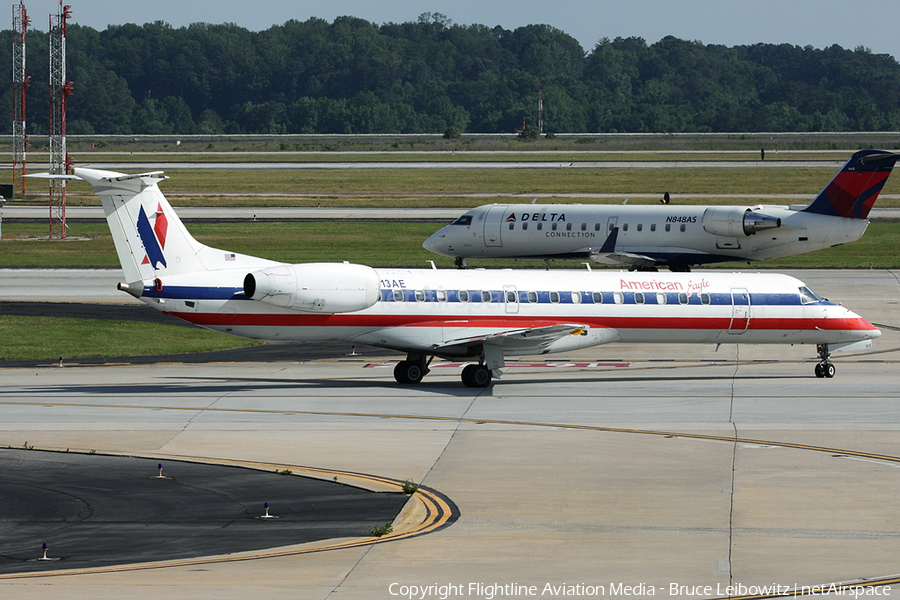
x=436 y=188
x=29 y=338
x=383 y=244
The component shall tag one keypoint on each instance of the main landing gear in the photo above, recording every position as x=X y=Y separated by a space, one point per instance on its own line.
x=476 y=376
x=825 y=368
x=415 y=367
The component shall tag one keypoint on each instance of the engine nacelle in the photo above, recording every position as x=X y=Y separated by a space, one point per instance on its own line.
x=734 y=221
x=315 y=287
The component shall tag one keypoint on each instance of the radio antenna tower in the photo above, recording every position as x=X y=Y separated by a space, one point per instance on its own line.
x=60 y=89
x=20 y=83
x=541 y=111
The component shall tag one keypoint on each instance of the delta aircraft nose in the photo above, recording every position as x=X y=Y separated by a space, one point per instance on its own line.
x=437 y=243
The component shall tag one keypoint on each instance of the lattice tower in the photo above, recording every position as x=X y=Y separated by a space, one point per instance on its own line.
x=60 y=89
x=20 y=83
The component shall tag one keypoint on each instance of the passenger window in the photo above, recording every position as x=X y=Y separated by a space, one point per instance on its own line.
x=524 y=226
x=639 y=297
x=640 y=226
x=420 y=296
x=554 y=297
x=398 y=295
x=618 y=297
x=512 y=226
x=441 y=295
x=625 y=227
x=668 y=227
x=596 y=226
x=652 y=226
x=553 y=227
x=568 y=227
x=584 y=226
x=576 y=297
x=597 y=297
x=682 y=298
x=682 y=227
x=705 y=299
x=532 y=297
x=485 y=296
x=511 y=296
x=660 y=297
x=463 y=295
x=540 y=226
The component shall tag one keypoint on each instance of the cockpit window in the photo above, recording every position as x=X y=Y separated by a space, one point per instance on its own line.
x=807 y=296
x=463 y=220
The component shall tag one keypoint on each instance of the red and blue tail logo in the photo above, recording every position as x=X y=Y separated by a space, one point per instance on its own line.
x=853 y=191
x=153 y=237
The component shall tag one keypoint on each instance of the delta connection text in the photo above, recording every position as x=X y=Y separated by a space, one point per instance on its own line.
x=490 y=591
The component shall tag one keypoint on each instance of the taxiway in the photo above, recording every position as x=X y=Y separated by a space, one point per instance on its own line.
x=621 y=465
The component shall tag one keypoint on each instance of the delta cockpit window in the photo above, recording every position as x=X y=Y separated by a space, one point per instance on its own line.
x=463 y=220
x=807 y=296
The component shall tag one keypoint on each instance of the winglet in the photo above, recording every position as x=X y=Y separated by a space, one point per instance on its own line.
x=610 y=244
x=853 y=191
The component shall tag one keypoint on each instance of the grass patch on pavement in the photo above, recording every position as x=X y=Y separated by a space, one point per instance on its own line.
x=34 y=338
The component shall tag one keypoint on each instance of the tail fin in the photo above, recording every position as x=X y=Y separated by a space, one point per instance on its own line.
x=853 y=191
x=150 y=239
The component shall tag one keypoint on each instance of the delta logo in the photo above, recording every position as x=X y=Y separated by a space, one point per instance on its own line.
x=153 y=237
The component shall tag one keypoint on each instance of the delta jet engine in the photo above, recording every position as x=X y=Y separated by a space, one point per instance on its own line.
x=315 y=287
x=734 y=221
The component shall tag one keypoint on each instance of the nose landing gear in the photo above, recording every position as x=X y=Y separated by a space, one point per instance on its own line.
x=825 y=368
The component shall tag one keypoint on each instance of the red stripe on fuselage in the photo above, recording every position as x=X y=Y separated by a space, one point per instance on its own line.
x=513 y=322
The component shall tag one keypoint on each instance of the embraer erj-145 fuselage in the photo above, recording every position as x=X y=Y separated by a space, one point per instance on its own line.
x=645 y=237
x=455 y=314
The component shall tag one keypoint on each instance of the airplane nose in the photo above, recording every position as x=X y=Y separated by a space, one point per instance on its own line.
x=435 y=243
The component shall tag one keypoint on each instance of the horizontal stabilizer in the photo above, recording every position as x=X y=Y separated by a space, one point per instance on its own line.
x=55 y=176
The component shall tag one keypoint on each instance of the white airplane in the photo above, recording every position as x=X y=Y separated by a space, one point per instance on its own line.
x=453 y=314
x=645 y=237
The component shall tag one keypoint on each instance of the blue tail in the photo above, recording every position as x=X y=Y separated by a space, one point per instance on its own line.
x=853 y=191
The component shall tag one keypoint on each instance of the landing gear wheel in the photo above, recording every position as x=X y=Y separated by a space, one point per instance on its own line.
x=476 y=376
x=408 y=372
x=826 y=370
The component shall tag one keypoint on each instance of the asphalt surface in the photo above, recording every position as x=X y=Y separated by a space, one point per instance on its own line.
x=97 y=511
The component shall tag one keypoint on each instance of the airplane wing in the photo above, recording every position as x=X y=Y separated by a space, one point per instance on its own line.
x=519 y=340
x=627 y=258
x=607 y=254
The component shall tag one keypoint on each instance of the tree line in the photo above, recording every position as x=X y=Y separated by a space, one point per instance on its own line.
x=354 y=76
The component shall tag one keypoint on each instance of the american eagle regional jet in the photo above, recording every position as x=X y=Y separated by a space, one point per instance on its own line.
x=645 y=237
x=454 y=314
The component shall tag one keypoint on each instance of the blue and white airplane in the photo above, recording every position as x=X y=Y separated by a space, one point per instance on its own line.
x=475 y=315
x=645 y=237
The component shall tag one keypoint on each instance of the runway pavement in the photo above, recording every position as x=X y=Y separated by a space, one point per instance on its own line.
x=623 y=465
